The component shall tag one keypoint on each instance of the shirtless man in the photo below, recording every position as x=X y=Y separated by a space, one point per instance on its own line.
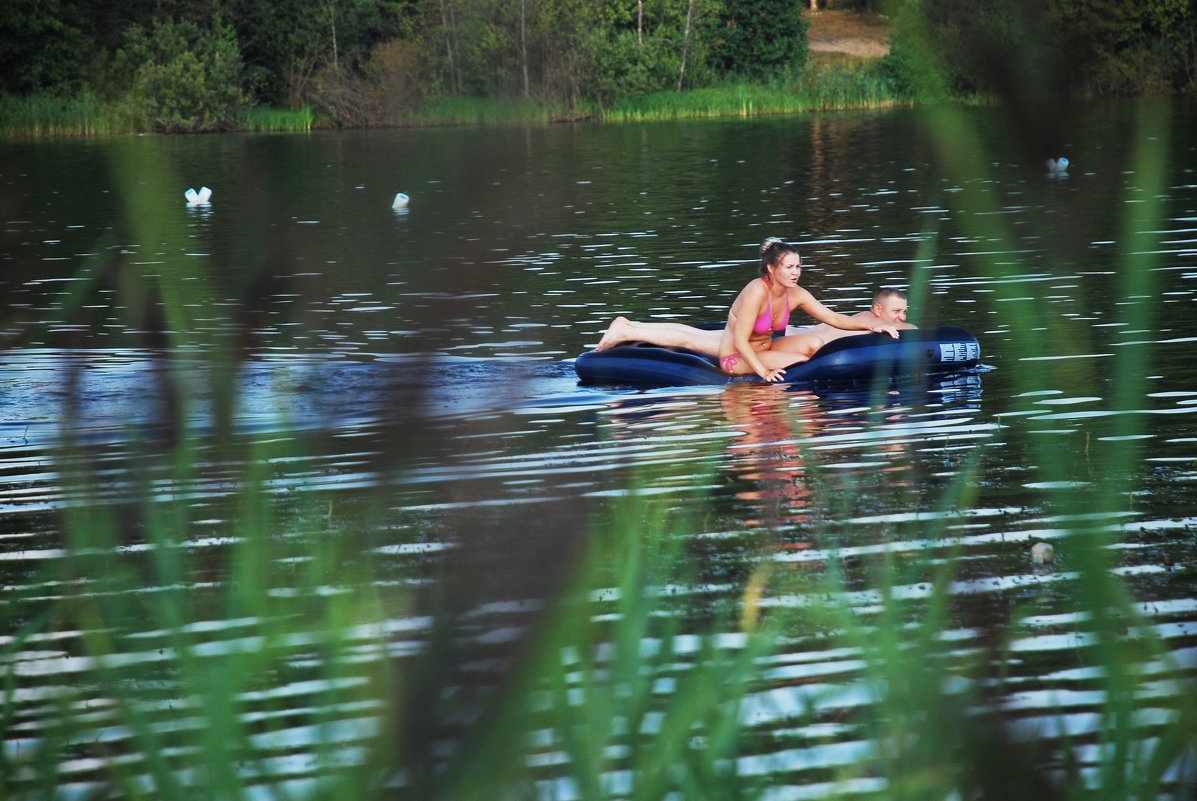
x=889 y=304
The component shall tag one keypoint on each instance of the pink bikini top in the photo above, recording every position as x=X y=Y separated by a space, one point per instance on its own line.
x=764 y=323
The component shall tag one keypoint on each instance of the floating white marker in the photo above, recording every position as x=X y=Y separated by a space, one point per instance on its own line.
x=1042 y=553
x=401 y=201
x=199 y=198
x=1057 y=168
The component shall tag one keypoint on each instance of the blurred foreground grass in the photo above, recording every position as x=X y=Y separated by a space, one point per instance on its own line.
x=563 y=663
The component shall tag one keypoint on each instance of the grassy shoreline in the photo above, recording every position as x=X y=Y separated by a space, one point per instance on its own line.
x=49 y=117
x=829 y=87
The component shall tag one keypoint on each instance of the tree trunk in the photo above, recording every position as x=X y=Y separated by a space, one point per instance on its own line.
x=332 y=19
x=681 y=73
x=524 y=46
x=640 y=23
x=450 y=34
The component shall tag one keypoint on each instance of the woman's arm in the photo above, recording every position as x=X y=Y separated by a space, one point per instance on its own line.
x=843 y=322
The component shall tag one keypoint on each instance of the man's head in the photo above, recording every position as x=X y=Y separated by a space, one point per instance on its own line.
x=890 y=305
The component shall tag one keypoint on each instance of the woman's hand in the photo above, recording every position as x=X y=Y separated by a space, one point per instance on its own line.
x=773 y=375
x=884 y=328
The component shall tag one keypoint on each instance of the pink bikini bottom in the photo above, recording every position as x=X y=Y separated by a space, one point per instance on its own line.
x=728 y=362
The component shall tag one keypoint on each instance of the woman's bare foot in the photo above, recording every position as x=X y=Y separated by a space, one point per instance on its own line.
x=617 y=332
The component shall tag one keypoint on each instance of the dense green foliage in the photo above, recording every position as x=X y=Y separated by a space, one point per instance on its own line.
x=190 y=66
x=184 y=77
x=1150 y=46
x=759 y=39
x=177 y=66
x=1098 y=47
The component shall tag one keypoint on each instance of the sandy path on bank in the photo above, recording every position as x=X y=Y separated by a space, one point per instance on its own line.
x=864 y=35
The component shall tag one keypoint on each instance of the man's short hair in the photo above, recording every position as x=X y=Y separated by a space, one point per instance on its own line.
x=887 y=292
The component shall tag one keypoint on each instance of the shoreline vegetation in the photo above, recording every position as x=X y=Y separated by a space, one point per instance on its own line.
x=423 y=64
x=842 y=67
x=841 y=84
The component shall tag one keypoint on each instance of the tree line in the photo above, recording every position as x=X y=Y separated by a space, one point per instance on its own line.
x=192 y=64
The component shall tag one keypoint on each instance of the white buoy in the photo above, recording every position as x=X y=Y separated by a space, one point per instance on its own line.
x=199 y=198
x=1042 y=553
x=401 y=201
x=1057 y=168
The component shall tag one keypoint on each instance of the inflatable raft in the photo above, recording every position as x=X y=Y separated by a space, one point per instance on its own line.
x=850 y=359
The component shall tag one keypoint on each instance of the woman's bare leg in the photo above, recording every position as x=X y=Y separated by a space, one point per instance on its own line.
x=802 y=344
x=665 y=335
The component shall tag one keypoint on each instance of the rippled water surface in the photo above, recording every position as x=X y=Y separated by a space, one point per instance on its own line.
x=408 y=373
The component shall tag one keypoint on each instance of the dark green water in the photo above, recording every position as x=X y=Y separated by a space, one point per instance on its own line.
x=423 y=357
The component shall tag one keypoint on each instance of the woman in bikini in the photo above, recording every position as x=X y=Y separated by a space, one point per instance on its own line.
x=747 y=344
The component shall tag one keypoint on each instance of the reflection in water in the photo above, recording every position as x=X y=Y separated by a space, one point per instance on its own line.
x=768 y=459
x=797 y=439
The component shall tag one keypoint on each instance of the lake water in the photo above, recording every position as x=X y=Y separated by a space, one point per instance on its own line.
x=408 y=374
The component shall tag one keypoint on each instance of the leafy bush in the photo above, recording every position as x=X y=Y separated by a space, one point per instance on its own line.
x=758 y=39
x=910 y=75
x=399 y=70
x=384 y=91
x=623 y=67
x=184 y=78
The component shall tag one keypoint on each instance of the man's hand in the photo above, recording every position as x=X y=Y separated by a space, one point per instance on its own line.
x=885 y=328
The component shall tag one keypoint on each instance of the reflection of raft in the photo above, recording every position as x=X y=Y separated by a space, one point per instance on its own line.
x=861 y=357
